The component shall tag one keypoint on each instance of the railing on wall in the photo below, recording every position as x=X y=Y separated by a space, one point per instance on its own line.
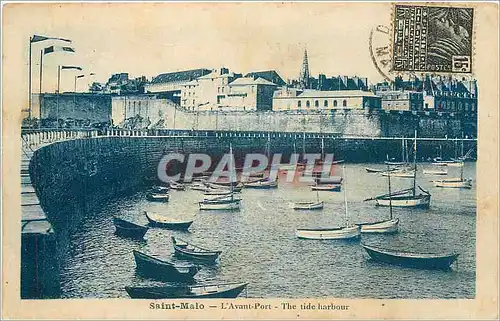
x=33 y=138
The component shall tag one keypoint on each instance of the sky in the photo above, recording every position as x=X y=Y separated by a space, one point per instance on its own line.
x=152 y=38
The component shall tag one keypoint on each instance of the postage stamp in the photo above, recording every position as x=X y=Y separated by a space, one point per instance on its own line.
x=433 y=39
x=232 y=161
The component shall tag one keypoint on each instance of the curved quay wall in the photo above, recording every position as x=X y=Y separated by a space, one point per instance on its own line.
x=74 y=177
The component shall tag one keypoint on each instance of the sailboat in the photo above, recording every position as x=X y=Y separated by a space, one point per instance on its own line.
x=386 y=226
x=299 y=165
x=455 y=182
x=224 y=202
x=407 y=197
x=347 y=232
x=308 y=205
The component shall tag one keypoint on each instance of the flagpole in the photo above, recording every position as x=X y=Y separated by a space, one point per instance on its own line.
x=29 y=80
x=57 y=96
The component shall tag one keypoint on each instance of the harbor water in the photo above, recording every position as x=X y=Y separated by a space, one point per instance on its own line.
x=259 y=245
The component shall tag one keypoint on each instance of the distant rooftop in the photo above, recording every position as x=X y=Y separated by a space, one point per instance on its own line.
x=185 y=75
x=269 y=75
x=246 y=81
x=335 y=93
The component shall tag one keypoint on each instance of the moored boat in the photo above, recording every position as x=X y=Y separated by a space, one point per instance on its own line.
x=227 y=203
x=163 y=270
x=177 y=186
x=262 y=184
x=327 y=187
x=400 y=173
x=128 y=229
x=328 y=180
x=307 y=205
x=208 y=291
x=165 y=222
x=217 y=186
x=158 y=197
x=440 y=261
x=347 y=232
x=454 y=182
x=435 y=172
x=191 y=251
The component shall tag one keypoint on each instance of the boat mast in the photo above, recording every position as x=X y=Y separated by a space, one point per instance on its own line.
x=345 y=196
x=402 y=150
x=390 y=197
x=231 y=168
x=322 y=148
x=415 y=164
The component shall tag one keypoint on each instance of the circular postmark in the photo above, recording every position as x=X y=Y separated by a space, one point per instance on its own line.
x=380 y=50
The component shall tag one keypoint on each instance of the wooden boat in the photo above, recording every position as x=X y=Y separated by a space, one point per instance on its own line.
x=217 y=186
x=327 y=187
x=376 y=170
x=194 y=252
x=221 y=197
x=129 y=229
x=226 y=203
x=205 y=291
x=162 y=221
x=407 y=197
x=177 y=186
x=308 y=205
x=394 y=163
x=199 y=187
x=440 y=261
x=218 y=192
x=400 y=173
x=385 y=226
x=160 y=189
x=262 y=184
x=347 y=232
x=158 y=197
x=454 y=182
x=435 y=172
x=258 y=175
x=328 y=180
x=163 y=270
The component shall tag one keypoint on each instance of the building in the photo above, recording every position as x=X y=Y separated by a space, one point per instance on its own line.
x=171 y=84
x=206 y=92
x=304 y=100
x=438 y=94
x=269 y=75
x=304 y=76
x=249 y=94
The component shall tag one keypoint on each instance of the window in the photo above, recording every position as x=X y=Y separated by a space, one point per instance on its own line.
x=344 y=102
x=299 y=104
x=308 y=104
x=325 y=103
x=426 y=105
x=193 y=101
x=316 y=103
x=334 y=103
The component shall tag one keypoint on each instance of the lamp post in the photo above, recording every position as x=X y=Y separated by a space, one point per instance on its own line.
x=33 y=39
x=59 y=68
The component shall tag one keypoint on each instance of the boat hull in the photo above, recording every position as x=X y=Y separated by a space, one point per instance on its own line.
x=128 y=229
x=169 y=225
x=344 y=233
x=308 y=206
x=153 y=197
x=226 y=206
x=431 y=263
x=205 y=257
x=183 y=292
x=450 y=184
x=420 y=201
x=386 y=227
x=154 y=268
x=327 y=188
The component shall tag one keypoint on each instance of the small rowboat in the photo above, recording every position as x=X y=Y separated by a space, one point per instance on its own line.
x=262 y=184
x=439 y=261
x=129 y=229
x=194 y=252
x=228 y=203
x=307 y=205
x=400 y=174
x=199 y=187
x=328 y=180
x=454 y=183
x=217 y=186
x=160 y=189
x=218 y=192
x=334 y=233
x=221 y=197
x=394 y=163
x=157 y=197
x=177 y=186
x=435 y=172
x=208 y=291
x=161 y=221
x=376 y=170
x=327 y=187
x=163 y=270
x=386 y=226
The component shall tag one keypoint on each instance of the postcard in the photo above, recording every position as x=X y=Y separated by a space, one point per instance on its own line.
x=240 y=160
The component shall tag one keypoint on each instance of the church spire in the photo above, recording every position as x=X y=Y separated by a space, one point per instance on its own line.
x=304 y=72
